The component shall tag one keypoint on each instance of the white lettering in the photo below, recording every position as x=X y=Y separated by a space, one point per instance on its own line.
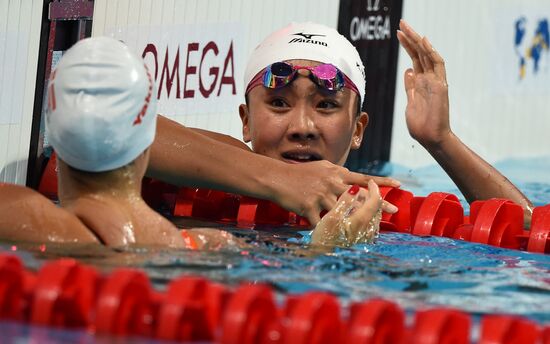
x=370 y=28
x=373 y=5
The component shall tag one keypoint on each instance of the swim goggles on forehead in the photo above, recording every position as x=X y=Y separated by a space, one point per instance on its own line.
x=280 y=74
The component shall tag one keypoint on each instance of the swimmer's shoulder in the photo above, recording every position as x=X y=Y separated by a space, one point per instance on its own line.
x=155 y=229
x=121 y=223
x=28 y=216
x=108 y=220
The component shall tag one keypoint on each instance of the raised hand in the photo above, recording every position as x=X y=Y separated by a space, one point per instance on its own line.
x=427 y=116
x=427 y=112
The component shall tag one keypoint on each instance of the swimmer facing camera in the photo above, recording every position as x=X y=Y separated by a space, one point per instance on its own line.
x=101 y=122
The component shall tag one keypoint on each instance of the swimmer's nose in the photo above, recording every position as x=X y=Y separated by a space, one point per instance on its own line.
x=302 y=127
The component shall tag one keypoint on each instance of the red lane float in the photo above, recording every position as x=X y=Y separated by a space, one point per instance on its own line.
x=159 y=195
x=207 y=204
x=125 y=304
x=64 y=294
x=314 y=318
x=539 y=235
x=507 y=330
x=438 y=214
x=376 y=321
x=195 y=309
x=191 y=310
x=253 y=211
x=442 y=325
x=400 y=221
x=495 y=222
x=184 y=202
x=12 y=293
x=463 y=232
x=250 y=316
x=182 y=314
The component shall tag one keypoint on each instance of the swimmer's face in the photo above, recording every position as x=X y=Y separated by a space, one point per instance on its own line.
x=302 y=122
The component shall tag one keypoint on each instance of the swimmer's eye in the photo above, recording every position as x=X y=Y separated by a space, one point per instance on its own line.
x=328 y=105
x=278 y=103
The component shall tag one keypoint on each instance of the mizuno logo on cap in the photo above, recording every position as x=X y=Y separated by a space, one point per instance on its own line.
x=307 y=35
x=306 y=38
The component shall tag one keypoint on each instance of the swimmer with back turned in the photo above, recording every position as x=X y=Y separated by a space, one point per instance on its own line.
x=101 y=122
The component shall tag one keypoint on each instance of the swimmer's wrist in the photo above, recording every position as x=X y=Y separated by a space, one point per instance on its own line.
x=441 y=143
x=272 y=184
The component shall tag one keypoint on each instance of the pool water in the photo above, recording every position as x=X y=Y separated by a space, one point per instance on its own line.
x=416 y=272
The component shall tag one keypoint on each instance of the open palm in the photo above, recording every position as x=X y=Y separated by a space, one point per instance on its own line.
x=427 y=112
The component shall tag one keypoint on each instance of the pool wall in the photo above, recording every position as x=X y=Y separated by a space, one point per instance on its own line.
x=497 y=107
x=20 y=24
x=494 y=108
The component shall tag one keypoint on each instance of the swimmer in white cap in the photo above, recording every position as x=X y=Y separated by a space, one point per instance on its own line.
x=301 y=112
x=306 y=189
x=305 y=86
x=304 y=90
x=101 y=121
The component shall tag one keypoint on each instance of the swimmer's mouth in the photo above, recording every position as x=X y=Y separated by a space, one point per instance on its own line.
x=298 y=157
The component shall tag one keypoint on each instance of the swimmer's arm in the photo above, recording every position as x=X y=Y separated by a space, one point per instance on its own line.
x=182 y=156
x=427 y=116
x=476 y=178
x=27 y=216
x=222 y=138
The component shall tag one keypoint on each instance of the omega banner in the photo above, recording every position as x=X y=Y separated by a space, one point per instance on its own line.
x=371 y=26
x=197 y=68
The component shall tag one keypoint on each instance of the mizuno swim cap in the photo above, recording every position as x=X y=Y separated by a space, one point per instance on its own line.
x=308 y=41
x=102 y=106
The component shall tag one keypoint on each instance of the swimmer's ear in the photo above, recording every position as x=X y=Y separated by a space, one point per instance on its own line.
x=245 y=119
x=360 y=125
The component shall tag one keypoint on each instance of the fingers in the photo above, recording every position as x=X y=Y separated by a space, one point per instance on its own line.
x=378 y=181
x=414 y=41
x=389 y=208
x=313 y=216
x=411 y=51
x=354 y=219
x=424 y=57
x=437 y=61
x=329 y=202
x=328 y=230
x=384 y=181
x=363 y=180
x=370 y=207
x=364 y=223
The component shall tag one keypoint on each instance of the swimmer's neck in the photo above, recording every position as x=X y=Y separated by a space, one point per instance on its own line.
x=121 y=185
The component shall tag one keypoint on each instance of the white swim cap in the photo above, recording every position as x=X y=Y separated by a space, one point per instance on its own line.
x=308 y=41
x=102 y=106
